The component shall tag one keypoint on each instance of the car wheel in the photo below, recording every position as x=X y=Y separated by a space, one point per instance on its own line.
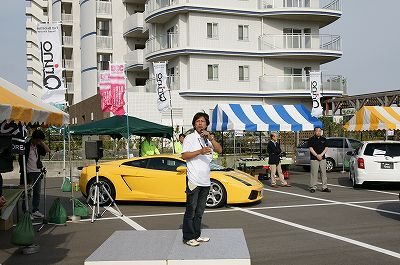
x=103 y=197
x=306 y=168
x=330 y=164
x=217 y=195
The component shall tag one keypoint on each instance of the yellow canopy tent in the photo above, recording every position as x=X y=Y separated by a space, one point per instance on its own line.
x=18 y=105
x=372 y=118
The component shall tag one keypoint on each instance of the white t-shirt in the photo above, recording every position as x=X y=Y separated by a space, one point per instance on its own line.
x=198 y=168
x=31 y=165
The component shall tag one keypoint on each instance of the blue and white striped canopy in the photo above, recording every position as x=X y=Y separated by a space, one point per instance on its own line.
x=227 y=117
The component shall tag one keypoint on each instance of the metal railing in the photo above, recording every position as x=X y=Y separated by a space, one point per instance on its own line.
x=70 y=87
x=300 y=41
x=67 y=40
x=68 y=64
x=104 y=42
x=103 y=8
x=67 y=18
x=172 y=83
x=300 y=82
x=153 y=5
x=335 y=5
x=162 y=42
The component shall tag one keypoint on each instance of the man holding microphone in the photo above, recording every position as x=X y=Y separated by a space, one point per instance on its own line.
x=198 y=148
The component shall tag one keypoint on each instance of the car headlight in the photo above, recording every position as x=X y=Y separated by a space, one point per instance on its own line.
x=241 y=180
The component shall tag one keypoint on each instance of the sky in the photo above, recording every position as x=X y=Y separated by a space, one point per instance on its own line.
x=369 y=31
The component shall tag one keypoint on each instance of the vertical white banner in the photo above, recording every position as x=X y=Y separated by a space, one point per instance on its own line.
x=315 y=88
x=163 y=95
x=50 y=49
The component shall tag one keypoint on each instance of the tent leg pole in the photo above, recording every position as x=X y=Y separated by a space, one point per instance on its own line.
x=25 y=183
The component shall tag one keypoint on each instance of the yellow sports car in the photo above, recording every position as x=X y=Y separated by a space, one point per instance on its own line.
x=163 y=178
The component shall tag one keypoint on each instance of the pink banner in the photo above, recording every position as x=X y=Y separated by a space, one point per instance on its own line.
x=117 y=99
x=106 y=100
x=112 y=89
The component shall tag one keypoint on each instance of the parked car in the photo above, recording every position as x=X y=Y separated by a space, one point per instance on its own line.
x=336 y=154
x=163 y=178
x=377 y=161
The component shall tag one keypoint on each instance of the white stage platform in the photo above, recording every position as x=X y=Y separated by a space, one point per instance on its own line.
x=165 y=247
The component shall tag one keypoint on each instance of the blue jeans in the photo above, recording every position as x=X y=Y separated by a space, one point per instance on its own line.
x=195 y=205
x=33 y=176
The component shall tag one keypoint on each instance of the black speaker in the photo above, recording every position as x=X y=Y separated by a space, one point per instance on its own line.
x=6 y=157
x=94 y=149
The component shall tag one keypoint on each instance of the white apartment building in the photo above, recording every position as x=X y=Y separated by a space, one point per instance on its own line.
x=225 y=51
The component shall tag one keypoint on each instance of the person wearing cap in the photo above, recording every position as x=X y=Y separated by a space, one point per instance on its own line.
x=178 y=144
x=149 y=148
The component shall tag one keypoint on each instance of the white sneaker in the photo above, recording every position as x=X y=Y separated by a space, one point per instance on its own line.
x=37 y=214
x=203 y=239
x=192 y=243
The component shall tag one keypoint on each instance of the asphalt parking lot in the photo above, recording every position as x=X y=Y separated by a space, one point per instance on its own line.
x=290 y=225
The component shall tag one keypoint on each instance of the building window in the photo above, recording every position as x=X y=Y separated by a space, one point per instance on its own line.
x=213 y=72
x=244 y=73
x=212 y=30
x=243 y=32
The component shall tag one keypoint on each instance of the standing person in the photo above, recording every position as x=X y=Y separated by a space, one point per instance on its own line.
x=318 y=149
x=149 y=148
x=197 y=151
x=274 y=160
x=34 y=148
x=178 y=144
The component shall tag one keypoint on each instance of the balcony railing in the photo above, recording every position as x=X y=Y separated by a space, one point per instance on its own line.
x=335 y=5
x=162 y=42
x=104 y=42
x=134 y=57
x=133 y=21
x=300 y=83
x=152 y=5
x=70 y=87
x=67 y=18
x=68 y=64
x=103 y=8
x=172 y=82
x=67 y=40
x=300 y=41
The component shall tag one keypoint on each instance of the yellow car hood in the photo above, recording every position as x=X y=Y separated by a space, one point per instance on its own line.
x=239 y=174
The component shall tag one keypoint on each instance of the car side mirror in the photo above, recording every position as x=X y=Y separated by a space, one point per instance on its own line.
x=350 y=153
x=181 y=169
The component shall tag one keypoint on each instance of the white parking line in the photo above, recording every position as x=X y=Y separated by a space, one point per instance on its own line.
x=377 y=191
x=250 y=208
x=127 y=220
x=332 y=201
x=320 y=232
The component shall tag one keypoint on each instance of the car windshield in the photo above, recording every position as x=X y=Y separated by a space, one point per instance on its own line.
x=382 y=149
x=215 y=167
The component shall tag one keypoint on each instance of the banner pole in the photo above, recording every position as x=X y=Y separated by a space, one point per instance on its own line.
x=127 y=115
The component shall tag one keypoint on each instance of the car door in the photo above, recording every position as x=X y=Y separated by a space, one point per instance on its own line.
x=133 y=174
x=164 y=181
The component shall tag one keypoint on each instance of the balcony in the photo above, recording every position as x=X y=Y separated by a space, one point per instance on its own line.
x=104 y=42
x=67 y=18
x=300 y=83
x=70 y=87
x=67 y=41
x=162 y=42
x=103 y=8
x=133 y=25
x=68 y=64
x=335 y=5
x=172 y=83
x=134 y=60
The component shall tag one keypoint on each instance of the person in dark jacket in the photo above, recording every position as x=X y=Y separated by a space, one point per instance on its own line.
x=274 y=160
x=34 y=148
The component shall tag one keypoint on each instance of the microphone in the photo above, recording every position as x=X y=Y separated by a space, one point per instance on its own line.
x=205 y=138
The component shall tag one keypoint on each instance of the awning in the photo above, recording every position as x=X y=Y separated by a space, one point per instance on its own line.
x=372 y=118
x=18 y=105
x=239 y=117
x=116 y=127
